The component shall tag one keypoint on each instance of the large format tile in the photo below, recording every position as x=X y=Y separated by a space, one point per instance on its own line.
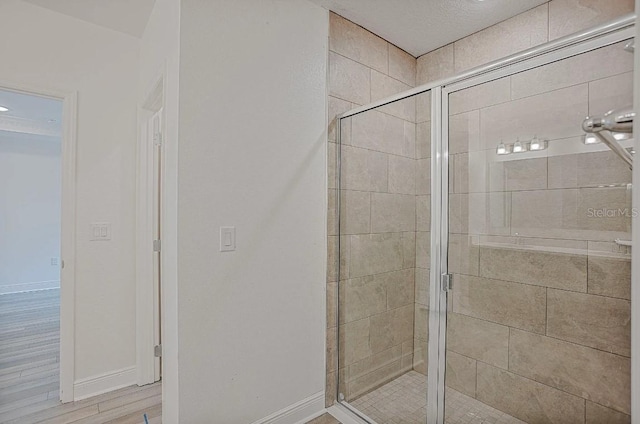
x=354 y=344
x=464 y=133
x=461 y=373
x=363 y=170
x=464 y=254
x=423 y=107
x=374 y=379
x=420 y=355
x=599 y=322
x=362 y=297
x=337 y=107
x=522 y=174
x=587 y=170
x=392 y=212
x=423 y=140
x=583 y=68
x=423 y=249
x=480 y=213
x=373 y=362
x=569 y=16
x=349 y=80
x=549 y=269
x=409 y=249
x=601 y=377
x=383 y=86
x=357 y=43
x=399 y=286
x=480 y=96
x=513 y=304
x=478 y=339
x=421 y=322
x=355 y=212
x=609 y=276
x=611 y=93
x=402 y=66
x=521 y=32
x=375 y=254
x=423 y=213
x=402 y=175
x=553 y=115
x=527 y=400
x=378 y=131
x=435 y=65
x=423 y=176
x=422 y=286
x=391 y=328
x=598 y=414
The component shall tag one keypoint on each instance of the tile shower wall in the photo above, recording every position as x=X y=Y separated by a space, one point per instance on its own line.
x=378 y=222
x=540 y=305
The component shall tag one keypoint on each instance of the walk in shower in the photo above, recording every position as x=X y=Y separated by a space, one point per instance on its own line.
x=484 y=243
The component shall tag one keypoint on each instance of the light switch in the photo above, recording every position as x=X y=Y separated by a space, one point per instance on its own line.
x=101 y=231
x=227 y=239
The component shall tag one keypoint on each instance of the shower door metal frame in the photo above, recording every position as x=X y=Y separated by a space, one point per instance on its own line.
x=563 y=48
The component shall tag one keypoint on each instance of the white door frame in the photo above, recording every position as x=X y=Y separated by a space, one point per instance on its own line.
x=147 y=293
x=68 y=228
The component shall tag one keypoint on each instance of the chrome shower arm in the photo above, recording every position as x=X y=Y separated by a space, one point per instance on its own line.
x=619 y=121
x=612 y=143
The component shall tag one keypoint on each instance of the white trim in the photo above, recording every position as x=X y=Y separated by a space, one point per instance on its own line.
x=635 y=252
x=103 y=383
x=27 y=287
x=68 y=228
x=147 y=318
x=344 y=415
x=298 y=413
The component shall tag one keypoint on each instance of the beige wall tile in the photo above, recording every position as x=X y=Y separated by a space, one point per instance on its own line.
x=611 y=93
x=422 y=286
x=464 y=254
x=402 y=66
x=409 y=249
x=587 y=170
x=598 y=414
x=402 y=175
x=421 y=322
x=480 y=96
x=399 y=286
x=332 y=257
x=562 y=112
x=332 y=212
x=349 y=80
x=378 y=131
x=423 y=107
x=383 y=86
x=478 y=339
x=569 y=16
x=521 y=32
x=611 y=199
x=549 y=269
x=598 y=376
x=480 y=213
x=423 y=140
x=375 y=254
x=336 y=107
x=521 y=174
x=391 y=328
x=355 y=212
x=464 y=132
x=332 y=350
x=332 y=304
x=392 y=212
x=420 y=356
x=600 y=322
x=435 y=65
x=362 y=297
x=330 y=389
x=609 y=277
x=527 y=400
x=544 y=212
x=363 y=170
x=423 y=213
x=332 y=169
x=354 y=341
x=461 y=374
x=374 y=379
x=373 y=362
x=513 y=304
x=409 y=139
x=357 y=43
x=471 y=171
x=590 y=66
x=423 y=176
x=423 y=249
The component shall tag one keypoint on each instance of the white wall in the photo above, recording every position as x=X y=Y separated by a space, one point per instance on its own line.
x=29 y=212
x=159 y=54
x=252 y=154
x=51 y=50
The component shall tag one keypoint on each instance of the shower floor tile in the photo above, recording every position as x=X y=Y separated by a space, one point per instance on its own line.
x=404 y=401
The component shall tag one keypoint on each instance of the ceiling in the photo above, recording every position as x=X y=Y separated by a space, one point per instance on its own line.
x=420 y=26
x=128 y=16
x=30 y=114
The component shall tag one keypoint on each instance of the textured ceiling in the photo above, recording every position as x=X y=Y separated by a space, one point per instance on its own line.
x=128 y=16
x=420 y=26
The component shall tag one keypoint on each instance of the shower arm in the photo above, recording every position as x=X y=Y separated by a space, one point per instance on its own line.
x=613 y=121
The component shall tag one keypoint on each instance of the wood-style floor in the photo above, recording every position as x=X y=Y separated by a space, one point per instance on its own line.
x=29 y=371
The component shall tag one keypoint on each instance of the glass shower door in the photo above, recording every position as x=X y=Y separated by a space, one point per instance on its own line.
x=538 y=320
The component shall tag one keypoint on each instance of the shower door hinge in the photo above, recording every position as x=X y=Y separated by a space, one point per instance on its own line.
x=157 y=351
x=447 y=282
x=157 y=245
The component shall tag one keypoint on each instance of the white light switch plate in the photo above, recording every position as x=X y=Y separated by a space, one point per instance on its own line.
x=100 y=231
x=227 y=239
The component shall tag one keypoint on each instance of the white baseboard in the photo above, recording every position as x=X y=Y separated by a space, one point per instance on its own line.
x=27 y=287
x=97 y=385
x=344 y=415
x=298 y=413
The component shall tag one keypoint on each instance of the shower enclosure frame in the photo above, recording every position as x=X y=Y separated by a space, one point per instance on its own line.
x=581 y=42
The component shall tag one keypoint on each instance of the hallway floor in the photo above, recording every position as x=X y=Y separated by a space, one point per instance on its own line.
x=29 y=371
